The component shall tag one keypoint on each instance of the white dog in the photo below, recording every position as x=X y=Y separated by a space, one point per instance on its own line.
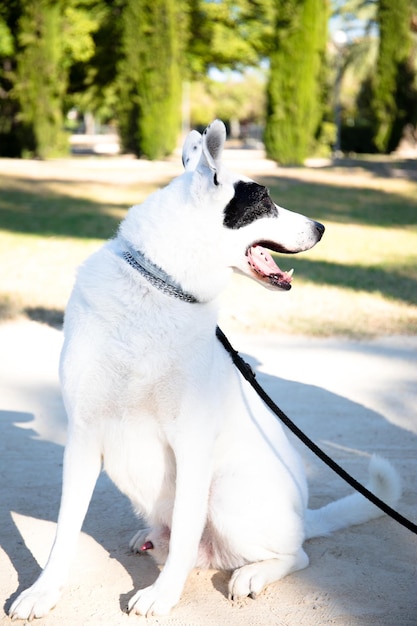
x=153 y=396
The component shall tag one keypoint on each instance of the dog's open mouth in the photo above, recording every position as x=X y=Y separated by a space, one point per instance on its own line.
x=265 y=268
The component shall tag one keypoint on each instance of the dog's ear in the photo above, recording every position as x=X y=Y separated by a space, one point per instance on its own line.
x=191 y=151
x=213 y=141
x=214 y=138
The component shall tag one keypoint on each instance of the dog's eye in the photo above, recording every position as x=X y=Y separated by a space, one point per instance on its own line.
x=215 y=181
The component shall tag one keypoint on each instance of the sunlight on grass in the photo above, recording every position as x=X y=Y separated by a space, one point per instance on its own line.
x=38 y=272
x=314 y=310
x=359 y=243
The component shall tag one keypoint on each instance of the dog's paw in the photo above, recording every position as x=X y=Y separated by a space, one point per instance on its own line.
x=150 y=601
x=247 y=581
x=34 y=602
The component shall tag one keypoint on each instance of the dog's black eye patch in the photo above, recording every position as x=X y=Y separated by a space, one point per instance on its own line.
x=250 y=202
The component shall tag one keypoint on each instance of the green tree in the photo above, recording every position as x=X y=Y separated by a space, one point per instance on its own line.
x=229 y=34
x=9 y=109
x=41 y=77
x=98 y=28
x=393 y=96
x=150 y=76
x=294 y=102
x=41 y=40
x=363 y=62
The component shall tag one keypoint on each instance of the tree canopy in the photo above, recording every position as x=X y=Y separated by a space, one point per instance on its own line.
x=126 y=62
x=294 y=91
x=393 y=93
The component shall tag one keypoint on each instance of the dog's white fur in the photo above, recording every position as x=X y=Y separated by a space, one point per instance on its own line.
x=152 y=395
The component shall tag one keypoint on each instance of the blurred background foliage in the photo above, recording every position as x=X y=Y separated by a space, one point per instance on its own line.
x=275 y=70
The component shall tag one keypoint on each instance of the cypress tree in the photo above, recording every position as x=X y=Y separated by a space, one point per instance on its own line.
x=9 y=107
x=294 y=103
x=41 y=79
x=150 y=85
x=392 y=87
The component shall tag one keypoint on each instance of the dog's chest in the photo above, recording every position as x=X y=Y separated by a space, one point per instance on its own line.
x=158 y=399
x=139 y=460
x=128 y=378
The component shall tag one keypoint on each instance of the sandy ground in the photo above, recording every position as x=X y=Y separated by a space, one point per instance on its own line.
x=353 y=398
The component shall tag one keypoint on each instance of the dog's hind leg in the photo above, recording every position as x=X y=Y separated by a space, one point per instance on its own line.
x=82 y=463
x=251 y=579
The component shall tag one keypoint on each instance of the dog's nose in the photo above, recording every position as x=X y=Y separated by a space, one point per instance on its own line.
x=320 y=229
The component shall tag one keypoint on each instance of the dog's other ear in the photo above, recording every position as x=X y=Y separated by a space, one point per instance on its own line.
x=191 y=151
x=214 y=138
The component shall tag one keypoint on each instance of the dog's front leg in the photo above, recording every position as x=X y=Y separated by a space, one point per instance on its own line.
x=193 y=467
x=82 y=463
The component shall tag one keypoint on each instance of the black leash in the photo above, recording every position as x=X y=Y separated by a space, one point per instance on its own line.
x=247 y=372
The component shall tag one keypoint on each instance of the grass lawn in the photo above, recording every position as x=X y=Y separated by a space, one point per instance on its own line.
x=360 y=281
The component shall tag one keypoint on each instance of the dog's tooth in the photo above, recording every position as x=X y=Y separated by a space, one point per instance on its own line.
x=290 y=273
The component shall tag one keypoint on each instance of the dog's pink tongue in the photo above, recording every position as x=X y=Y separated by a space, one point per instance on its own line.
x=262 y=261
x=264 y=265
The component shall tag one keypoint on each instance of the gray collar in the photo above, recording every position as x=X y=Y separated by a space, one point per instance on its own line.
x=154 y=274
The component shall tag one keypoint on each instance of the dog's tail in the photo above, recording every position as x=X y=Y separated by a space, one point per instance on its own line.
x=384 y=482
